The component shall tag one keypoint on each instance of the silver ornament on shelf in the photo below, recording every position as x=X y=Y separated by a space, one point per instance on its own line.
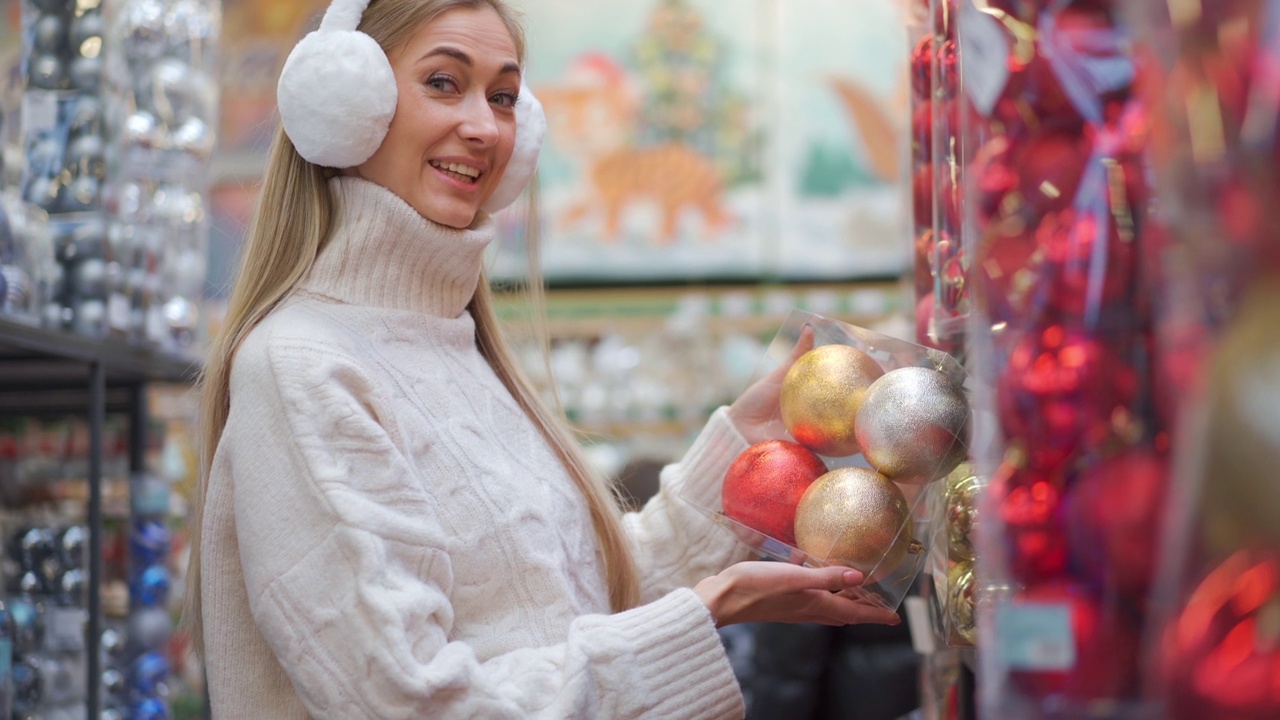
x=140 y=26
x=47 y=72
x=194 y=137
x=141 y=129
x=86 y=72
x=913 y=425
x=84 y=30
x=90 y=318
x=47 y=34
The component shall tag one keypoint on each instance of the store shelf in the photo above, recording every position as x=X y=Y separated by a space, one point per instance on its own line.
x=36 y=360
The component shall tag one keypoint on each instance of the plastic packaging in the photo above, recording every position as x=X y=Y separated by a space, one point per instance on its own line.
x=865 y=422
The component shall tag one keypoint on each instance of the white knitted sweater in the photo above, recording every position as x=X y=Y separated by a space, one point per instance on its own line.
x=386 y=535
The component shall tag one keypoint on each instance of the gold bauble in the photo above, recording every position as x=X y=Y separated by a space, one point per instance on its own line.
x=960 y=614
x=821 y=394
x=960 y=500
x=1242 y=426
x=913 y=425
x=856 y=517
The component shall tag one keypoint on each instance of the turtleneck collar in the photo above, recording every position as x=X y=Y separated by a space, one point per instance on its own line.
x=382 y=253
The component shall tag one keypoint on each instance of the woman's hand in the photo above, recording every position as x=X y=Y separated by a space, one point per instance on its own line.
x=755 y=412
x=786 y=593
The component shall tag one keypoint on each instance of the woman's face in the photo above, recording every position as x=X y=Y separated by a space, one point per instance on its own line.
x=455 y=124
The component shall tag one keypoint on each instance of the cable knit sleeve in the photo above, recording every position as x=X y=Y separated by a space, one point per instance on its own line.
x=676 y=545
x=349 y=574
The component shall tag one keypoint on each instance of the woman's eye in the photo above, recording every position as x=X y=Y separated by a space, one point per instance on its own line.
x=442 y=83
x=505 y=99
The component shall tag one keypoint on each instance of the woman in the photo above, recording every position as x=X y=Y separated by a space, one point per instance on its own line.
x=393 y=525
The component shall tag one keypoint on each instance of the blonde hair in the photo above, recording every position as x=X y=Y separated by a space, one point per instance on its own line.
x=292 y=221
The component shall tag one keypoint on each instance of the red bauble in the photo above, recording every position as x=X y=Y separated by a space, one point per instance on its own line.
x=1220 y=657
x=1059 y=390
x=923 y=265
x=1030 y=513
x=764 y=485
x=948 y=337
x=1115 y=510
x=922 y=190
x=1004 y=274
x=1090 y=268
x=922 y=67
x=1049 y=167
x=1105 y=649
x=947 y=69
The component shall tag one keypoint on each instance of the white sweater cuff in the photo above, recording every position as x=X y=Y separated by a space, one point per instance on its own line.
x=704 y=465
x=685 y=671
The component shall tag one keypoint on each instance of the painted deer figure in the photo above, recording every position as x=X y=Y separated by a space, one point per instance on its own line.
x=593 y=115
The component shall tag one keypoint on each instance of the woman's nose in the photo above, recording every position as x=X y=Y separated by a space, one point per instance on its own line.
x=478 y=123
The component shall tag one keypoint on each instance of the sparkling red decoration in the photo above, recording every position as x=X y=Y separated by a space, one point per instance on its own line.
x=1220 y=658
x=1005 y=272
x=1105 y=647
x=1049 y=168
x=1114 y=512
x=1060 y=390
x=1090 y=268
x=1031 y=515
x=764 y=485
x=922 y=67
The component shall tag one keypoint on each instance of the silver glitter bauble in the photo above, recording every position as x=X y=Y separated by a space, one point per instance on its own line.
x=141 y=130
x=913 y=425
x=193 y=137
x=47 y=72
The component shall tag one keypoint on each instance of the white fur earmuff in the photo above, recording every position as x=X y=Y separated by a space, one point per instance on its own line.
x=337 y=92
x=337 y=95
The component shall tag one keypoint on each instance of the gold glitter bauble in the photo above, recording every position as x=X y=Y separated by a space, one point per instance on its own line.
x=960 y=591
x=913 y=425
x=856 y=517
x=821 y=394
x=961 y=502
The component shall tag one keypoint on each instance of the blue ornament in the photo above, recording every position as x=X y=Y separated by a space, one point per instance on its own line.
x=150 y=671
x=149 y=541
x=151 y=586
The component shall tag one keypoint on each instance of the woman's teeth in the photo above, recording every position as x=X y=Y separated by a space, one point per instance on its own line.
x=465 y=173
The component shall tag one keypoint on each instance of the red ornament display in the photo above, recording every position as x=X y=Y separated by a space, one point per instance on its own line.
x=1031 y=513
x=1090 y=268
x=1220 y=657
x=1061 y=389
x=1050 y=165
x=764 y=485
x=1104 y=648
x=1113 y=518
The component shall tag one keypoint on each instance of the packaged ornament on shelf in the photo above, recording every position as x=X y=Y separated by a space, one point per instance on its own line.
x=161 y=101
x=865 y=423
x=937 y=106
x=65 y=153
x=28 y=270
x=1062 y=329
x=1214 y=91
x=953 y=514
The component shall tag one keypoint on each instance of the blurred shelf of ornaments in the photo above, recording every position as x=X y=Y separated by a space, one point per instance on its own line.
x=1029 y=240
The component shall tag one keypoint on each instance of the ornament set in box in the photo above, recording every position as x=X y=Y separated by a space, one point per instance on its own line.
x=117 y=125
x=1213 y=83
x=136 y=672
x=42 y=620
x=163 y=101
x=865 y=422
x=1063 y=336
x=941 y=261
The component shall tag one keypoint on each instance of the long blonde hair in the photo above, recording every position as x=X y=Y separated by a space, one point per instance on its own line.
x=291 y=223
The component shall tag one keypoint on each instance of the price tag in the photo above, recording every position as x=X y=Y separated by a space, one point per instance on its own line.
x=920 y=623
x=1036 y=636
x=64 y=628
x=984 y=62
x=39 y=111
x=118 y=311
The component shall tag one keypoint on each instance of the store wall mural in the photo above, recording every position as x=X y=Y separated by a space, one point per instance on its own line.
x=703 y=139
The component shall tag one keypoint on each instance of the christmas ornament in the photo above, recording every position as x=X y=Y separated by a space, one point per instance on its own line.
x=1029 y=504
x=913 y=425
x=856 y=517
x=1114 y=512
x=1050 y=165
x=1089 y=267
x=1220 y=656
x=1101 y=658
x=960 y=503
x=821 y=394
x=764 y=484
x=1059 y=391
x=960 y=602
x=922 y=56
x=1005 y=273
